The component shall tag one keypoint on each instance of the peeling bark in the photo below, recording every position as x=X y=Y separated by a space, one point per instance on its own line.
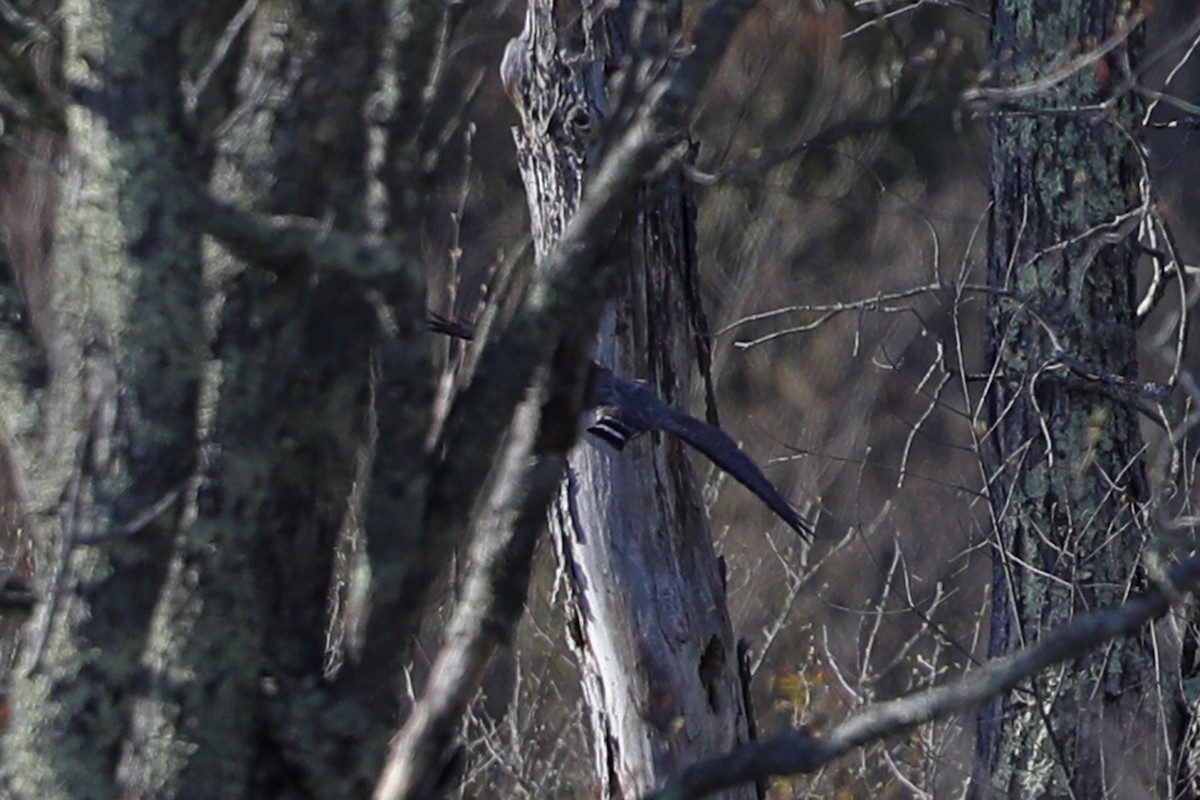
x=649 y=621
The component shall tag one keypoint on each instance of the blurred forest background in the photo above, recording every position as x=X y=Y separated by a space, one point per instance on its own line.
x=842 y=189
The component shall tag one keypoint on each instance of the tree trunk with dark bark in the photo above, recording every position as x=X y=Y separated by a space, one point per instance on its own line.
x=1067 y=483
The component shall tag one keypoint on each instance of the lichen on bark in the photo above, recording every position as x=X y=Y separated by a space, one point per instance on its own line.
x=1068 y=483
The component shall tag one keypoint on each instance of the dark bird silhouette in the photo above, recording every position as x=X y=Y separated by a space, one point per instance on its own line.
x=628 y=408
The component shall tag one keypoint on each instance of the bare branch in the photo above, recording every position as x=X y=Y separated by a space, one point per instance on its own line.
x=880 y=302
x=193 y=88
x=288 y=241
x=1055 y=77
x=485 y=617
x=800 y=751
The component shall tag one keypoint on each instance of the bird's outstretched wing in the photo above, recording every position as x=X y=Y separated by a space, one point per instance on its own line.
x=629 y=407
x=451 y=327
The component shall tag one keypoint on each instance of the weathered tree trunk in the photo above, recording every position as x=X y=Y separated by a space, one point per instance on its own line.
x=1067 y=482
x=649 y=620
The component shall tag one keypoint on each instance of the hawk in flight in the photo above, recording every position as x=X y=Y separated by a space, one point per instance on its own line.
x=627 y=408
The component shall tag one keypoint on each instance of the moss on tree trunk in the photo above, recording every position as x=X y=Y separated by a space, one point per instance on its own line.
x=1067 y=482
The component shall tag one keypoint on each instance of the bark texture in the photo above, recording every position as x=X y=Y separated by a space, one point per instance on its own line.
x=649 y=620
x=186 y=418
x=1067 y=484
x=212 y=345
x=106 y=458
